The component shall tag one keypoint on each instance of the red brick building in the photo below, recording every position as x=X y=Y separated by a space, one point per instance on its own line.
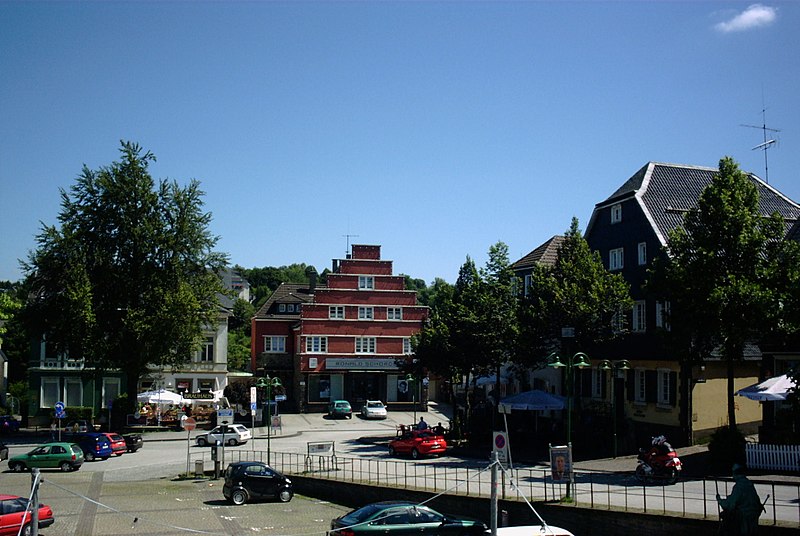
x=345 y=340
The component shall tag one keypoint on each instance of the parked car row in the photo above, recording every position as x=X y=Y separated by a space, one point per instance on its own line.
x=69 y=454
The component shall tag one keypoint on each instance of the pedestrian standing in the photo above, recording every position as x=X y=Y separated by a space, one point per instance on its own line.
x=742 y=508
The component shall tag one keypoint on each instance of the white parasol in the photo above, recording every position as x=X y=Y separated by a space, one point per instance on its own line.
x=770 y=390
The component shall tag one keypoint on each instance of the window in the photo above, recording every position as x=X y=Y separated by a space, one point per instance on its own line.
x=407 y=346
x=207 y=350
x=366 y=282
x=366 y=313
x=639 y=390
x=615 y=259
x=662 y=315
x=365 y=345
x=639 y=321
x=290 y=307
x=73 y=392
x=110 y=391
x=664 y=390
x=49 y=393
x=618 y=322
x=394 y=313
x=336 y=312
x=642 y=253
x=616 y=213
x=598 y=377
x=275 y=344
x=527 y=285
x=281 y=307
x=316 y=345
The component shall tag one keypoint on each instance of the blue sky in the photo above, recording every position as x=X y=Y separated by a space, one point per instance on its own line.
x=432 y=128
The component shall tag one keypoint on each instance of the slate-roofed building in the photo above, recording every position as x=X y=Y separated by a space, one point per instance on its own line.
x=545 y=254
x=629 y=229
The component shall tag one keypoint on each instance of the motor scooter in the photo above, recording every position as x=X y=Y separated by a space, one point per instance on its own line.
x=659 y=463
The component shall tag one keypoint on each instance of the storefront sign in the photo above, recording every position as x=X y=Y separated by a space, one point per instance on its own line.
x=198 y=396
x=359 y=363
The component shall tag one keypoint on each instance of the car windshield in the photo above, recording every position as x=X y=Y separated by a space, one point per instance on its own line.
x=366 y=512
x=11 y=506
x=374 y=404
x=76 y=449
x=115 y=437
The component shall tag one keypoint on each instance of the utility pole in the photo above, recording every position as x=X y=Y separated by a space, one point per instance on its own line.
x=34 y=502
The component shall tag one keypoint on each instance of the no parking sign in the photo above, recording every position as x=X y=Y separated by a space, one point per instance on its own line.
x=501 y=446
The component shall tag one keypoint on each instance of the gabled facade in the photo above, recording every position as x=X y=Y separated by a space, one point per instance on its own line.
x=629 y=229
x=345 y=340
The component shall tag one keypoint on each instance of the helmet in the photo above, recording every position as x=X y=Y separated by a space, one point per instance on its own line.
x=659 y=440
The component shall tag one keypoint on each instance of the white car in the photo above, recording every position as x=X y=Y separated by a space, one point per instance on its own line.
x=231 y=434
x=373 y=409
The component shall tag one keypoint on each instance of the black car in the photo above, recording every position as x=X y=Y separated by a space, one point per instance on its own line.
x=252 y=480
x=133 y=442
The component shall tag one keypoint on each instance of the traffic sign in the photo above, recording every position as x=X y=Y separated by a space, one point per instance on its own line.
x=280 y=398
x=501 y=446
x=59 y=407
x=224 y=416
x=189 y=424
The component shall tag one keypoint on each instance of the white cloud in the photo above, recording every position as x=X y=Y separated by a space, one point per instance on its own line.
x=755 y=16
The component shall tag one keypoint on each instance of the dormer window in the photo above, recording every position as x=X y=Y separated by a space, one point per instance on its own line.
x=281 y=307
x=616 y=213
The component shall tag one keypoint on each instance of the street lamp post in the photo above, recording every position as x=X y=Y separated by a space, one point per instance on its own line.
x=412 y=386
x=614 y=367
x=268 y=383
x=579 y=360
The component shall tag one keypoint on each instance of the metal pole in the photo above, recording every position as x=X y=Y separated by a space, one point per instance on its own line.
x=614 y=406
x=34 y=502
x=269 y=419
x=493 y=502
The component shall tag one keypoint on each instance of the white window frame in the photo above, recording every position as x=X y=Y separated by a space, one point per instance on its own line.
x=53 y=386
x=616 y=213
x=598 y=377
x=616 y=259
x=618 y=322
x=366 y=282
x=407 y=349
x=70 y=386
x=336 y=312
x=206 y=348
x=642 y=250
x=111 y=389
x=281 y=307
x=662 y=314
x=639 y=321
x=316 y=345
x=639 y=386
x=527 y=285
x=275 y=344
x=289 y=307
x=663 y=395
x=366 y=313
x=366 y=345
x=394 y=313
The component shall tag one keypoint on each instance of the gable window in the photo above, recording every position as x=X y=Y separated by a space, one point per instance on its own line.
x=407 y=345
x=366 y=313
x=616 y=213
x=365 y=345
x=664 y=388
x=394 y=313
x=662 y=314
x=281 y=307
x=207 y=350
x=316 y=345
x=275 y=344
x=290 y=307
x=366 y=282
x=639 y=390
x=642 y=253
x=615 y=257
x=336 y=312
x=639 y=321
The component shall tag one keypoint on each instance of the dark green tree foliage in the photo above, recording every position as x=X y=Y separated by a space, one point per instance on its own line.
x=723 y=269
x=576 y=292
x=128 y=278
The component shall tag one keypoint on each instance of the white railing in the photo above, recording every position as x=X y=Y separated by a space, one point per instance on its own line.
x=773 y=457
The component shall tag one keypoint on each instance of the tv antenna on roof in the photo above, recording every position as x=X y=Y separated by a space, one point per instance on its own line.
x=348 y=236
x=766 y=144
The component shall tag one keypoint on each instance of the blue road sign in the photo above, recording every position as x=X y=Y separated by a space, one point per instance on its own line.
x=59 y=407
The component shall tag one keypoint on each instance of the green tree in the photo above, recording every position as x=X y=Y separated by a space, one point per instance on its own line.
x=238 y=351
x=128 y=280
x=578 y=292
x=721 y=272
x=9 y=306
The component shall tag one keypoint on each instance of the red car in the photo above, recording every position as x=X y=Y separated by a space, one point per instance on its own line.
x=118 y=445
x=417 y=443
x=13 y=513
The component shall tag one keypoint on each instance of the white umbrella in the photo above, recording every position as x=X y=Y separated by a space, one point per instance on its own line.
x=777 y=388
x=161 y=396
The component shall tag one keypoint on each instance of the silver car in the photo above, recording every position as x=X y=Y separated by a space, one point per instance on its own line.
x=373 y=409
x=231 y=434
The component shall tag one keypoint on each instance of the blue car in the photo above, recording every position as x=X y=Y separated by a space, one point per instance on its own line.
x=94 y=446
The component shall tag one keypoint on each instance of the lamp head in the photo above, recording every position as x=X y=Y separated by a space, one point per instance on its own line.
x=554 y=361
x=622 y=365
x=580 y=360
x=605 y=364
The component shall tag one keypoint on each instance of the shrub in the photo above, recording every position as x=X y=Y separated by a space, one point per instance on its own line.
x=727 y=446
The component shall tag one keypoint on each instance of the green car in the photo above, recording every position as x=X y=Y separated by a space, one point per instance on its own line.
x=340 y=408
x=402 y=518
x=65 y=456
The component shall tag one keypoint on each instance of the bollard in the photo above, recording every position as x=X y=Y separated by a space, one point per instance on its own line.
x=503 y=518
x=199 y=470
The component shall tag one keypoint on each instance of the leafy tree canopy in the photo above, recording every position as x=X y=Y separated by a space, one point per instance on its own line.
x=128 y=277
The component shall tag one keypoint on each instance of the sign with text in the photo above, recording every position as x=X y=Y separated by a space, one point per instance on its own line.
x=225 y=416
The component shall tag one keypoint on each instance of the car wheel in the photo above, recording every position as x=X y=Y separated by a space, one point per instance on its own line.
x=239 y=496
x=350 y=416
x=672 y=476
x=27 y=530
x=285 y=495
x=232 y=442
x=415 y=454
x=201 y=441
x=640 y=474
x=89 y=456
x=17 y=467
x=392 y=452
x=65 y=466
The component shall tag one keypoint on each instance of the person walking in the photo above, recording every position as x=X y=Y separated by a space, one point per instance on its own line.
x=742 y=508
